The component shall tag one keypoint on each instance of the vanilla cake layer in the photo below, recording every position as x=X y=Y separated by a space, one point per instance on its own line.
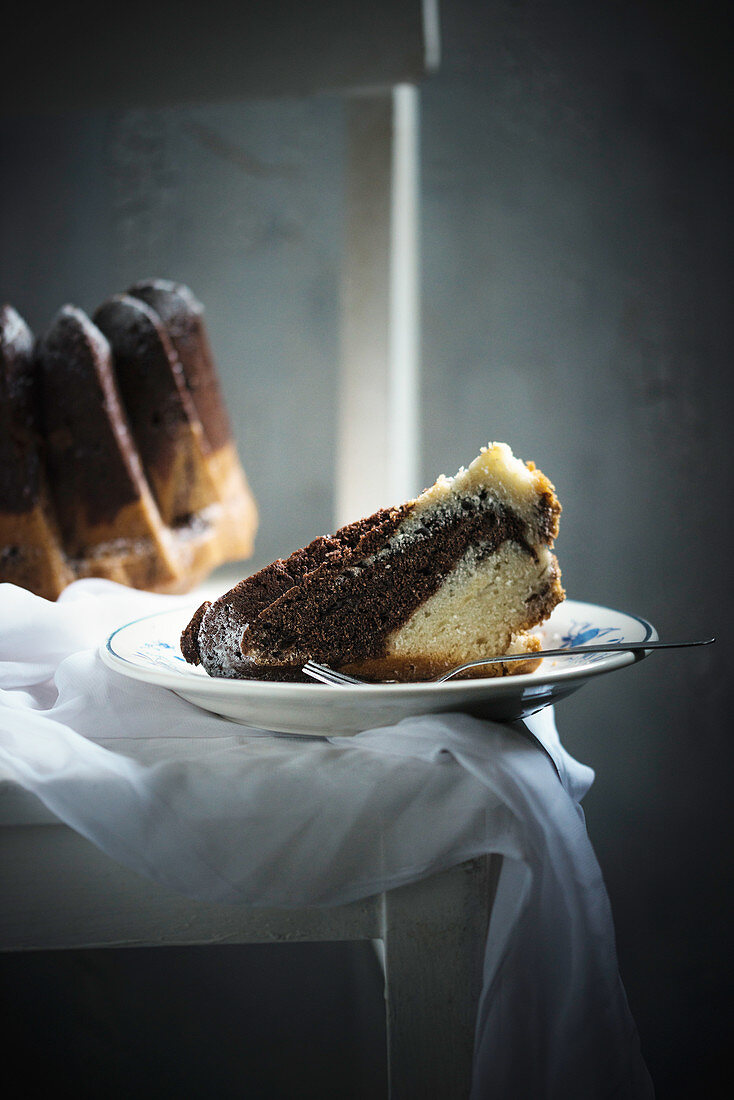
x=473 y=613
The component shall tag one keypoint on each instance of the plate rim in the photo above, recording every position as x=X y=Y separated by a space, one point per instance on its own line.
x=224 y=687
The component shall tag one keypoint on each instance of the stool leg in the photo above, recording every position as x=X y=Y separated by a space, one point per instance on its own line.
x=434 y=934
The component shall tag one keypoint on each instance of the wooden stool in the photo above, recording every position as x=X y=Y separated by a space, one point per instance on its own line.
x=61 y=892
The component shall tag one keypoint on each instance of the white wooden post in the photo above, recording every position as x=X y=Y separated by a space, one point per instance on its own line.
x=434 y=935
x=377 y=438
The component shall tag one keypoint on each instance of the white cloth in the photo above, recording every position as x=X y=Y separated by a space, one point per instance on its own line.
x=228 y=814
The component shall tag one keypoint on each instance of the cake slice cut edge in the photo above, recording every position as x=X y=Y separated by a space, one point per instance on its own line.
x=464 y=570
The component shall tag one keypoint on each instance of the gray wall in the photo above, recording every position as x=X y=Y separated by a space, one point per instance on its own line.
x=576 y=282
x=577 y=300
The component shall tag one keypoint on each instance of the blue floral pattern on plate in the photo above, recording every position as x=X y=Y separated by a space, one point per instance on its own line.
x=586 y=633
x=162 y=654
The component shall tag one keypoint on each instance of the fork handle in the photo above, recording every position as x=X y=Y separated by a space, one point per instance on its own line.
x=608 y=647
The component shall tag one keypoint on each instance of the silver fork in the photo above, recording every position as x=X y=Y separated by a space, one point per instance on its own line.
x=326 y=675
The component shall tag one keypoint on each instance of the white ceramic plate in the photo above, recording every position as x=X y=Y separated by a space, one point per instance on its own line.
x=148 y=649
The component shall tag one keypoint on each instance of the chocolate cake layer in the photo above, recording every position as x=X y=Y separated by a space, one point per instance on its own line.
x=218 y=646
x=183 y=318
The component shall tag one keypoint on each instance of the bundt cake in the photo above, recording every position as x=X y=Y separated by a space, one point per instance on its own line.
x=107 y=467
x=463 y=571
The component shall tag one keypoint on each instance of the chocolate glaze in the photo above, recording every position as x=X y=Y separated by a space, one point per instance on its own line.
x=91 y=462
x=182 y=316
x=20 y=461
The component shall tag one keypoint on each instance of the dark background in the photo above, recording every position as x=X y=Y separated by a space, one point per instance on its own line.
x=576 y=275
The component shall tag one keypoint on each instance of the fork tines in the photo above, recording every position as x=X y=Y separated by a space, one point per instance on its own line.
x=327 y=675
